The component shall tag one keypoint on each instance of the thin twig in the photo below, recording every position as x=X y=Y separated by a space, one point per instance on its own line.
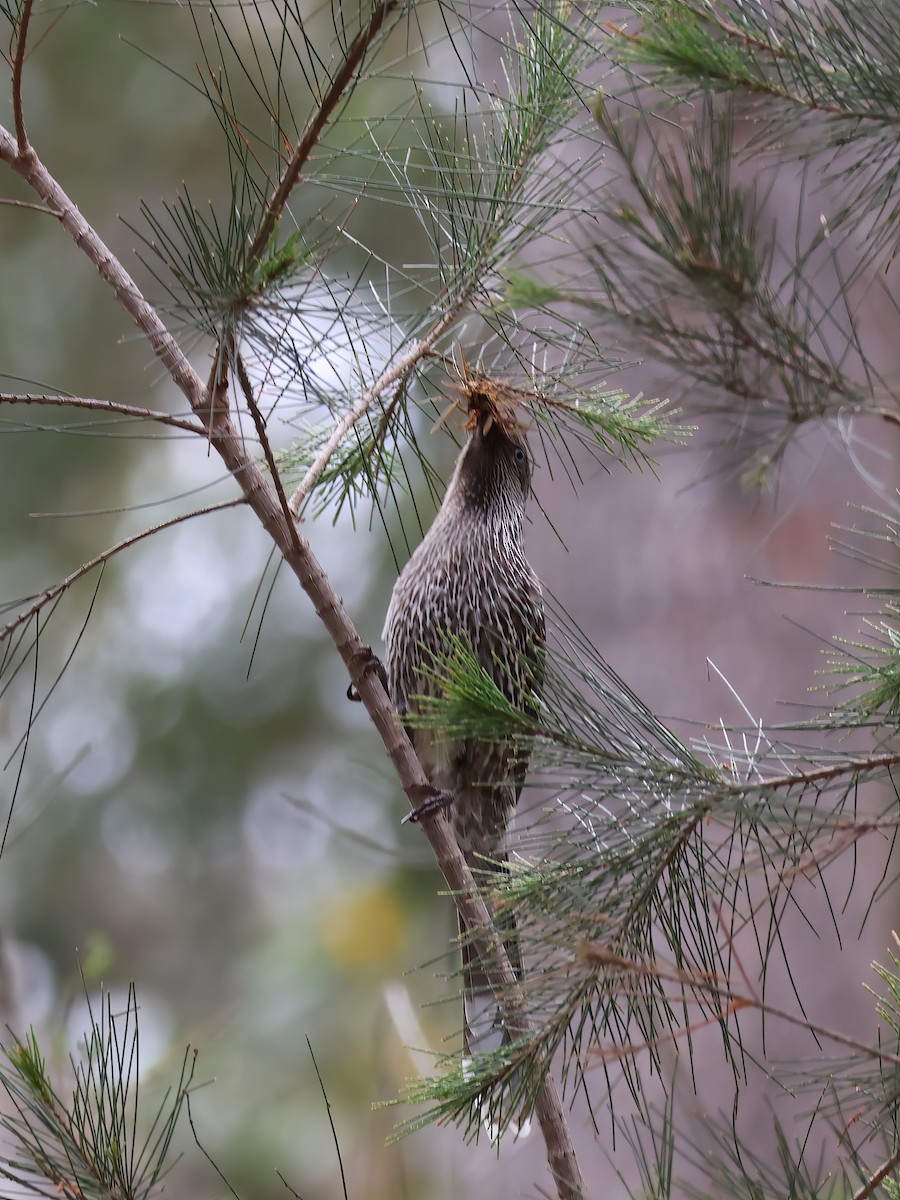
x=18 y=65
x=41 y=208
x=299 y=556
x=110 y=406
x=847 y=766
x=249 y=399
x=42 y=599
x=334 y=1136
x=719 y=988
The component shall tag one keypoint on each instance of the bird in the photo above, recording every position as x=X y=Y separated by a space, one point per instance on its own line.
x=469 y=583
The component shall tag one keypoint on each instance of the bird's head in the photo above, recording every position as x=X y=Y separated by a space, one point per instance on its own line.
x=494 y=466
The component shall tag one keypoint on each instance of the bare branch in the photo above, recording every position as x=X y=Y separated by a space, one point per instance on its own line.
x=18 y=65
x=164 y=346
x=108 y=406
x=41 y=208
x=42 y=599
x=847 y=766
x=313 y=131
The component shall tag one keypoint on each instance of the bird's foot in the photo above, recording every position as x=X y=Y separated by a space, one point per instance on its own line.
x=367 y=661
x=433 y=801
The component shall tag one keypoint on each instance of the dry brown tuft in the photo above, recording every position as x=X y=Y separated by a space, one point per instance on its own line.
x=486 y=402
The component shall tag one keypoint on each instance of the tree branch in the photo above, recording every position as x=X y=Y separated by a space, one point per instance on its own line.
x=357 y=658
x=393 y=373
x=246 y=387
x=807 y=97
x=879 y=1177
x=213 y=413
x=313 y=131
x=42 y=599
x=848 y=766
x=41 y=208
x=18 y=66
x=109 y=406
x=29 y=167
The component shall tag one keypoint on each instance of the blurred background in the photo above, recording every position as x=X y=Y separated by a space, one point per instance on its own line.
x=201 y=809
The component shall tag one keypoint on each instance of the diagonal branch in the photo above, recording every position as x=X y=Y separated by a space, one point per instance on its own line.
x=29 y=167
x=212 y=410
x=42 y=599
x=394 y=373
x=878 y=1178
x=246 y=387
x=344 y=76
x=18 y=66
x=357 y=658
x=819 y=775
x=107 y=406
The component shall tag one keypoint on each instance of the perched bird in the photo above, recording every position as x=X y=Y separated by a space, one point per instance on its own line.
x=470 y=581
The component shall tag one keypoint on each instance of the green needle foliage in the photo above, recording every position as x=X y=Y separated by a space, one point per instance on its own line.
x=865 y=673
x=873 y=668
x=688 y=277
x=94 y=1142
x=640 y=862
x=830 y=74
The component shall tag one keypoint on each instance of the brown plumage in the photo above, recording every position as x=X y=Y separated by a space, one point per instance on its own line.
x=469 y=579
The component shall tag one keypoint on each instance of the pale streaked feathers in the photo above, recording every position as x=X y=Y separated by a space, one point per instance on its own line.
x=470 y=579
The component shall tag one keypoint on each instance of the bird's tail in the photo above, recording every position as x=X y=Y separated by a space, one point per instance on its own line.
x=484 y=1029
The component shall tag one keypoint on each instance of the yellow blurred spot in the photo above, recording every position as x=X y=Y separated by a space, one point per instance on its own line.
x=363 y=927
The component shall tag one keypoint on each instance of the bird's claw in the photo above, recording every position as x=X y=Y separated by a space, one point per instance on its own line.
x=366 y=661
x=433 y=802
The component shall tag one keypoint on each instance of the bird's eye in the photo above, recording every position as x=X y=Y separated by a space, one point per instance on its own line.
x=520 y=454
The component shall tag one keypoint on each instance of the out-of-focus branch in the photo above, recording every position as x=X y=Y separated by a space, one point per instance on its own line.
x=213 y=411
x=42 y=599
